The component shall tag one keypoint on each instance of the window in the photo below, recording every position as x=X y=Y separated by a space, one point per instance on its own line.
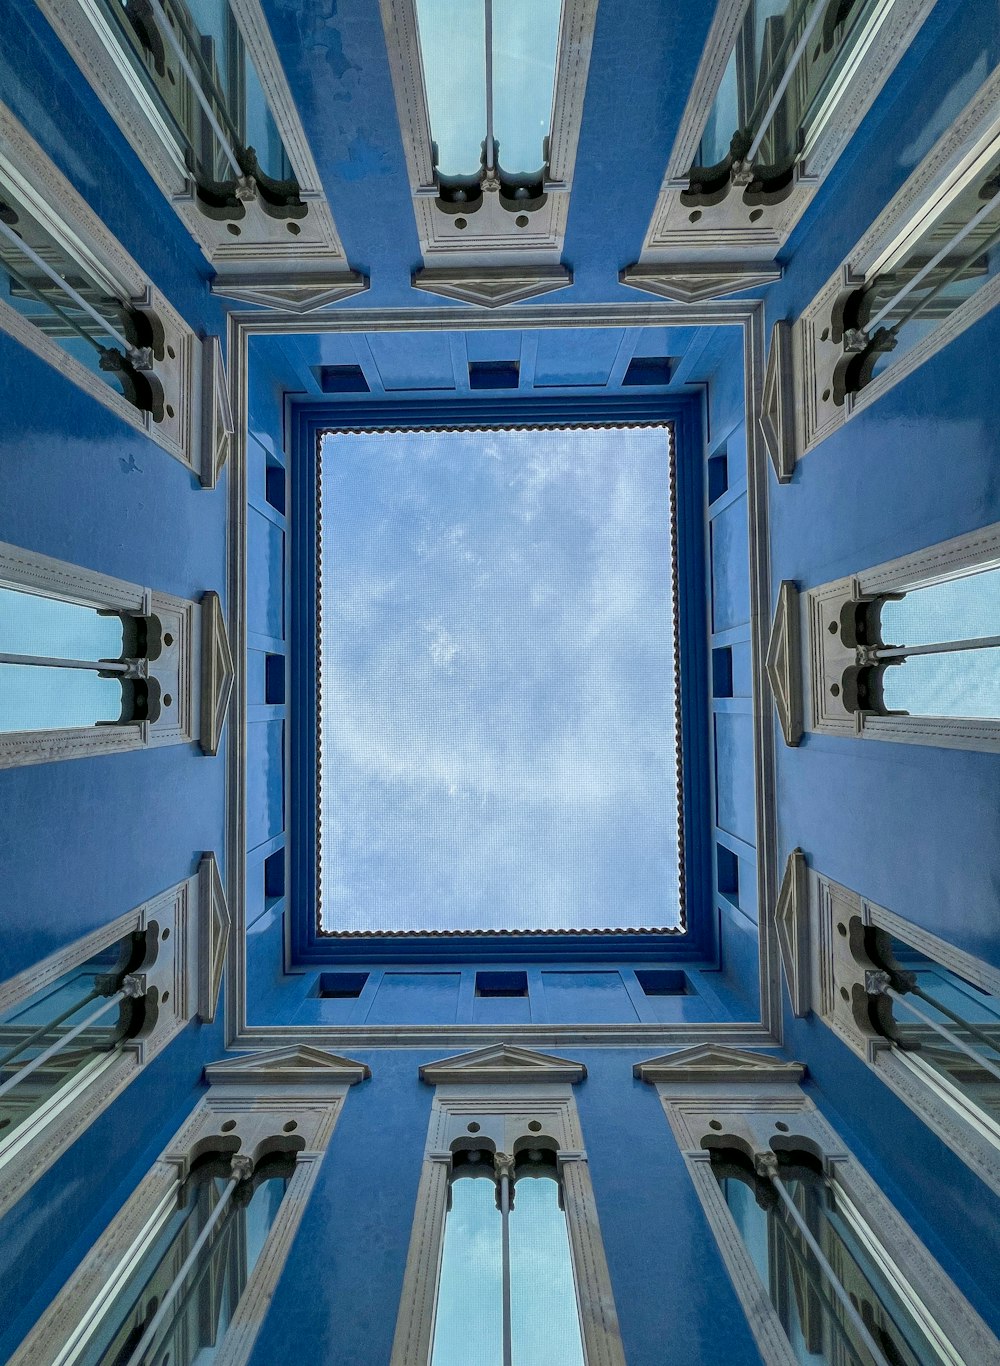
x=827 y=1270
x=501 y=984
x=194 y=1255
x=781 y=88
x=490 y=129
x=910 y=650
x=506 y=1264
x=923 y=1014
x=926 y=269
x=64 y=665
x=662 y=981
x=76 y=1028
x=94 y=665
x=505 y=1249
x=70 y=293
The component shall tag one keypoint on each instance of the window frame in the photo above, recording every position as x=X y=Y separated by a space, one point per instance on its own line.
x=811 y=905
x=189 y=965
x=826 y=656
x=504 y=1088
x=259 y=1093
x=747 y=1094
x=194 y=380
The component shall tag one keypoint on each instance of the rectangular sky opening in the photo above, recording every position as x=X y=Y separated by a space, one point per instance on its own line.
x=498 y=712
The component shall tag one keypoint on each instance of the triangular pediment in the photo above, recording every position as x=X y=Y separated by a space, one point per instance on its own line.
x=709 y=1062
x=492 y=288
x=303 y=294
x=501 y=1064
x=777 y=418
x=783 y=664
x=689 y=284
x=294 y=1065
x=791 y=916
x=217 y=672
x=214 y=924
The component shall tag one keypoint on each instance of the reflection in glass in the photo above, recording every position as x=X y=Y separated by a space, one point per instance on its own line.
x=49 y=1023
x=540 y=1320
x=945 y=1024
x=195 y=1309
x=785 y=75
x=810 y=1307
x=35 y=695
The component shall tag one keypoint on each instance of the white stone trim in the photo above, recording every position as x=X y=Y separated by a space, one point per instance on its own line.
x=503 y=1111
x=748 y=1111
x=259 y=1107
x=66 y=215
x=837 y=961
x=34 y=1146
x=176 y=669
x=748 y=315
x=491 y=237
x=264 y=244
x=828 y=657
x=932 y=185
x=725 y=228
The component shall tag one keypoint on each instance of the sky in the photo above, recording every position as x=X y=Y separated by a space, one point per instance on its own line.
x=497 y=681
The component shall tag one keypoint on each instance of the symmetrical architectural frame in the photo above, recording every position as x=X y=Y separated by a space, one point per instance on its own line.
x=194 y=702
x=284 y=1101
x=826 y=656
x=728 y=1097
x=830 y=962
x=191 y=925
x=802 y=366
x=265 y=264
x=726 y=237
x=507 y=1095
x=196 y=423
x=492 y=257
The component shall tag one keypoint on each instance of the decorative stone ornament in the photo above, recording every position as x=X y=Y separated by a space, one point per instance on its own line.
x=213 y=932
x=504 y=1065
x=784 y=663
x=712 y=1063
x=217 y=673
x=777 y=406
x=689 y=283
x=791 y=918
x=493 y=288
x=298 y=1065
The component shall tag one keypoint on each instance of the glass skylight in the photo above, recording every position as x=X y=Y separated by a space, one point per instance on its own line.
x=498 y=718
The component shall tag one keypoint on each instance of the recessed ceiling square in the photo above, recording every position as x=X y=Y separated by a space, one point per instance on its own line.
x=498 y=714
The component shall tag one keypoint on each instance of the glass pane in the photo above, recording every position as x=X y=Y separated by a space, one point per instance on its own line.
x=525 y=38
x=468 y=1326
x=453 y=49
x=35 y=1024
x=967 y=608
x=817 y=1327
x=545 y=1322
x=960 y=273
x=966 y=1011
x=960 y=683
x=26 y=288
x=193 y=1329
x=34 y=625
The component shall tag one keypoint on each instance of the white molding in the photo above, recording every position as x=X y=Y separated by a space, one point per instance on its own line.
x=712 y=1064
x=264 y=243
x=491 y=237
x=256 y=1116
x=726 y=228
x=702 y=1116
x=828 y=656
x=791 y=916
x=504 y=1114
x=492 y=288
x=214 y=925
x=296 y=1066
x=32 y=1148
x=777 y=415
x=691 y=282
x=931 y=185
x=746 y=314
x=217 y=413
x=502 y=1065
x=784 y=662
x=175 y=668
x=300 y=293
x=217 y=673
x=70 y=220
